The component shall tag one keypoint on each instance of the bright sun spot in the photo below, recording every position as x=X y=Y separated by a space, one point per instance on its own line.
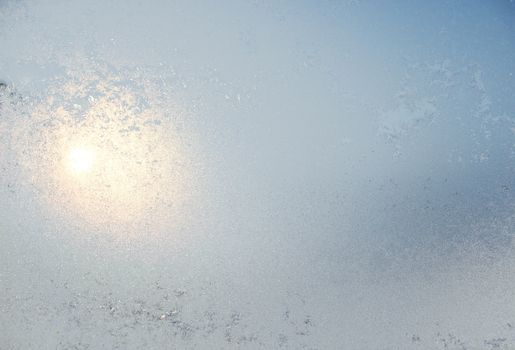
x=80 y=160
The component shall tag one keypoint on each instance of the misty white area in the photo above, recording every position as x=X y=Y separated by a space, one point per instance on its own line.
x=257 y=174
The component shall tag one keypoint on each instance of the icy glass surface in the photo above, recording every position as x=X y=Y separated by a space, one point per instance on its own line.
x=257 y=174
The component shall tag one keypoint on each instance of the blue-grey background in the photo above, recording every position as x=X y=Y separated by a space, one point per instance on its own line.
x=352 y=164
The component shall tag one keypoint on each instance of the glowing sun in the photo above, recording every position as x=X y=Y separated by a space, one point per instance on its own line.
x=81 y=160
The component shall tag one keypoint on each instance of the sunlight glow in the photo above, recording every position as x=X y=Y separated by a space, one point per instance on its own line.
x=122 y=165
x=81 y=160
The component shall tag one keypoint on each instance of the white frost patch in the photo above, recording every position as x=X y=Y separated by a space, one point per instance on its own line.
x=406 y=117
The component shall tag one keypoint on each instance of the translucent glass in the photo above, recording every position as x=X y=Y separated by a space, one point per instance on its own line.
x=257 y=174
